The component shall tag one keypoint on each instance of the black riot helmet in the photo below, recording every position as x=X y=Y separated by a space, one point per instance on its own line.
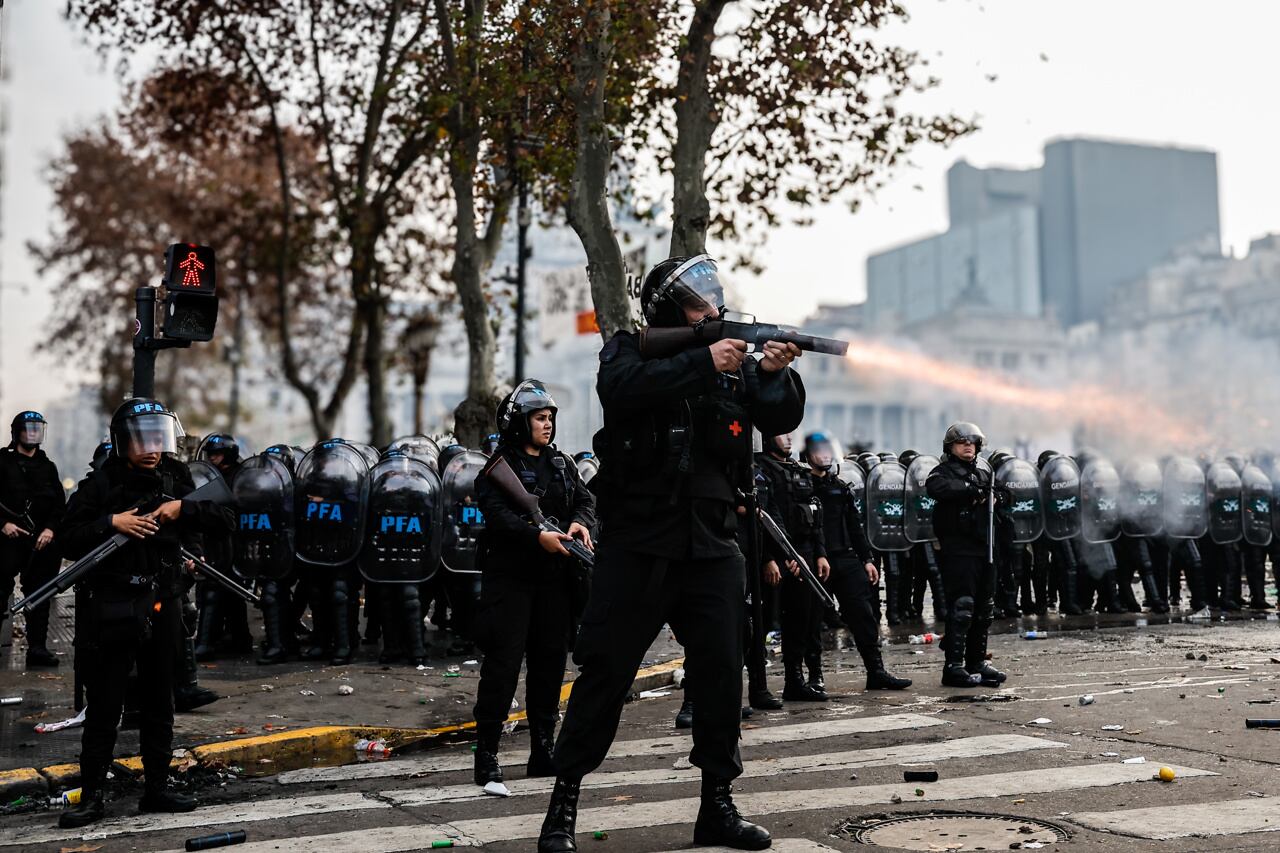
x=906 y=457
x=868 y=460
x=820 y=452
x=963 y=431
x=28 y=429
x=100 y=454
x=1045 y=457
x=222 y=445
x=491 y=442
x=447 y=453
x=515 y=409
x=679 y=283
x=144 y=425
x=779 y=445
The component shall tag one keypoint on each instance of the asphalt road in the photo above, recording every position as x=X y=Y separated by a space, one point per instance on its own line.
x=818 y=773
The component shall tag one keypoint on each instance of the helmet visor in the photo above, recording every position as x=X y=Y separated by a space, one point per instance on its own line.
x=31 y=432
x=695 y=286
x=531 y=396
x=151 y=433
x=822 y=454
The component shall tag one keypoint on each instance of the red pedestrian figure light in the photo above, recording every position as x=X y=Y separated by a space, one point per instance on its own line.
x=192 y=266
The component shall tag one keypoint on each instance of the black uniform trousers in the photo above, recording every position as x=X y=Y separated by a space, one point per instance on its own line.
x=971 y=577
x=36 y=568
x=851 y=587
x=632 y=596
x=801 y=615
x=522 y=618
x=104 y=657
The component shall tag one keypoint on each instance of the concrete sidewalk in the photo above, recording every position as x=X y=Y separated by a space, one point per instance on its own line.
x=270 y=719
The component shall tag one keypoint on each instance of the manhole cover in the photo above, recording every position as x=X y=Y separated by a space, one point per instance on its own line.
x=957 y=832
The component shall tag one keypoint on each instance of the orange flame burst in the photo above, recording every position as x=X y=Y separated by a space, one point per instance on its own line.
x=1091 y=405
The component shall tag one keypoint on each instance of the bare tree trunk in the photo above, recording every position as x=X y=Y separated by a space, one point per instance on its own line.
x=375 y=370
x=696 y=121
x=588 y=208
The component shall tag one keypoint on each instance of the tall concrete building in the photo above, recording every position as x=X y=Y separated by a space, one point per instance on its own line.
x=1058 y=239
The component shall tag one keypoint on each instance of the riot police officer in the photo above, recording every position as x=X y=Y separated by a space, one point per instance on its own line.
x=961 y=521
x=675 y=447
x=132 y=599
x=853 y=576
x=31 y=505
x=794 y=505
x=224 y=616
x=528 y=580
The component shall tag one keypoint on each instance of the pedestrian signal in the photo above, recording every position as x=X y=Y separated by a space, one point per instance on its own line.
x=191 y=302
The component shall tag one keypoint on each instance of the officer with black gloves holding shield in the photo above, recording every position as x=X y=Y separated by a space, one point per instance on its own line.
x=962 y=522
x=528 y=580
x=31 y=505
x=853 y=576
x=132 y=601
x=675 y=448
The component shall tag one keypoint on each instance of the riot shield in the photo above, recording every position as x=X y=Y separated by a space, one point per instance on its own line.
x=1185 y=513
x=368 y=451
x=402 y=542
x=917 y=522
x=264 y=535
x=1060 y=497
x=331 y=496
x=1223 y=490
x=203 y=473
x=1100 y=502
x=1023 y=514
x=419 y=447
x=588 y=467
x=851 y=472
x=1256 y=494
x=1141 y=499
x=463 y=521
x=886 y=484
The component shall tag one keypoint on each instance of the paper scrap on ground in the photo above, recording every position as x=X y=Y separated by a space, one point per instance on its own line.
x=497 y=789
x=654 y=694
x=74 y=722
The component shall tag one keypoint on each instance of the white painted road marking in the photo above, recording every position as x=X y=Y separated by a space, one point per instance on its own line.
x=1255 y=814
x=640 y=815
x=621 y=749
x=969 y=747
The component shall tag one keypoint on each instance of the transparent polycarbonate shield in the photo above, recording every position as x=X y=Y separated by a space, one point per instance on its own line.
x=851 y=472
x=1060 y=497
x=463 y=521
x=1186 y=515
x=1223 y=491
x=588 y=467
x=1256 y=489
x=263 y=491
x=1100 y=502
x=331 y=497
x=886 y=507
x=420 y=447
x=917 y=521
x=1141 y=499
x=1022 y=512
x=403 y=530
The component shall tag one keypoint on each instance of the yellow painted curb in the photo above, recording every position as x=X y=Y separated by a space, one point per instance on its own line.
x=25 y=780
x=61 y=775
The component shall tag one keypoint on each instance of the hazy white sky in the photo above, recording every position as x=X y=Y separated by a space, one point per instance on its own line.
x=1163 y=71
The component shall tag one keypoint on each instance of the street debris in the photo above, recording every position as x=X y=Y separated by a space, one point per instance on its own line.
x=345 y=690
x=1086 y=699
x=1040 y=721
x=496 y=789
x=654 y=694
x=72 y=723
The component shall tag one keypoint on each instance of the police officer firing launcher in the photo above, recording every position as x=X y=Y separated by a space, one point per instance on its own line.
x=676 y=444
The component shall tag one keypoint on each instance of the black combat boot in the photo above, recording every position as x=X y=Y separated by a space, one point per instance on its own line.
x=274 y=618
x=953 y=672
x=684 y=717
x=207 y=626
x=542 y=741
x=1068 y=594
x=795 y=689
x=91 y=809
x=762 y=700
x=719 y=823
x=161 y=799
x=487 y=768
x=813 y=662
x=1231 y=578
x=892 y=590
x=975 y=658
x=343 y=608
x=38 y=654
x=562 y=816
x=878 y=678
x=1256 y=575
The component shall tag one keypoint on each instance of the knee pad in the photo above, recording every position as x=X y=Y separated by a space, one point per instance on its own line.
x=962 y=610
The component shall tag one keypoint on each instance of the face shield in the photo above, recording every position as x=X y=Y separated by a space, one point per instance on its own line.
x=31 y=433
x=822 y=454
x=151 y=433
x=694 y=287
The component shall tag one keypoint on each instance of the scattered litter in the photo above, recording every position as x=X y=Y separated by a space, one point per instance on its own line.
x=682 y=763
x=1135 y=760
x=1182 y=696
x=83 y=848
x=238 y=730
x=925 y=639
x=1166 y=774
x=219 y=839
x=496 y=789
x=372 y=748
x=345 y=690
x=654 y=694
x=1235 y=666
x=1202 y=658
x=1261 y=701
x=439 y=843
x=471 y=663
x=1191 y=655
x=1040 y=721
x=1262 y=724
x=1035 y=635
x=306 y=693
x=1221 y=690
x=1086 y=699
x=273 y=727
x=1108 y=755
x=423 y=667
x=600 y=836
x=920 y=776
x=66 y=798
x=266 y=761
x=1129 y=690
x=1113 y=728
x=1019 y=801
x=1275 y=660
x=1256 y=794
x=896 y=800
x=917 y=652
x=266 y=688
x=72 y=723
x=452 y=675
x=11 y=700
x=919 y=792
x=853 y=777
x=677 y=678
x=453 y=667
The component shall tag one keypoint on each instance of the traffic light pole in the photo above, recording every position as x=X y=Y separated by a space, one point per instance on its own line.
x=145 y=342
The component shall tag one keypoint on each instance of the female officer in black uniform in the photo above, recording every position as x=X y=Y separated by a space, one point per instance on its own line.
x=527 y=580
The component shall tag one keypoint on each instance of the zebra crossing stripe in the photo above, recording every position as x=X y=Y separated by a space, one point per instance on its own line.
x=641 y=815
x=621 y=749
x=969 y=747
x=780 y=845
x=253 y=810
x=377 y=839
x=1231 y=817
